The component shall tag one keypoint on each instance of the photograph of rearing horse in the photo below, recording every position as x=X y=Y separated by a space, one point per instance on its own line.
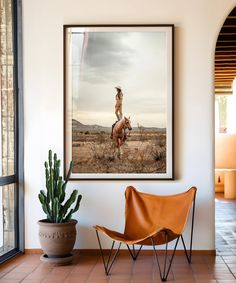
x=120 y=118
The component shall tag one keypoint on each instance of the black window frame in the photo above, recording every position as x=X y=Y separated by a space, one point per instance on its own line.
x=18 y=177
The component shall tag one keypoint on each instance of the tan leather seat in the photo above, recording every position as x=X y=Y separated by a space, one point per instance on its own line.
x=152 y=220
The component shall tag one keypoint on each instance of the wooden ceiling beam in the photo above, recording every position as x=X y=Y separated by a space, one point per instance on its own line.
x=225 y=67
x=225 y=85
x=226 y=52
x=225 y=56
x=223 y=81
x=229 y=41
x=228 y=85
x=222 y=32
x=225 y=63
x=223 y=88
x=223 y=71
x=225 y=47
x=223 y=93
x=226 y=76
x=229 y=26
x=222 y=84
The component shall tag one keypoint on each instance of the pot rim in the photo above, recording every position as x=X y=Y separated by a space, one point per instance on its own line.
x=44 y=222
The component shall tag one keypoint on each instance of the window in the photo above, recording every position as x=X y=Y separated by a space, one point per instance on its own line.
x=221 y=113
x=225 y=114
x=11 y=131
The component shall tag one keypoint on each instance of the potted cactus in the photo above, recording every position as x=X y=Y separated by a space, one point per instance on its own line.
x=57 y=233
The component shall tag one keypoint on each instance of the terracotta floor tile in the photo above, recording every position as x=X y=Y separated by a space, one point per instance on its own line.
x=97 y=280
x=15 y=275
x=182 y=276
x=143 y=271
x=203 y=269
x=75 y=280
x=52 y=278
x=24 y=269
x=207 y=276
x=36 y=276
x=144 y=276
x=120 y=276
x=32 y=281
x=9 y=281
x=205 y=281
x=122 y=270
x=137 y=280
x=184 y=281
x=6 y=267
x=42 y=269
x=81 y=271
x=113 y=280
x=62 y=269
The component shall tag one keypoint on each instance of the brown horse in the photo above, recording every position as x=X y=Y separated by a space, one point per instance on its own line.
x=119 y=134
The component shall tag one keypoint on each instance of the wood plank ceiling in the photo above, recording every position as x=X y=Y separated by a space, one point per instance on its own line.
x=225 y=56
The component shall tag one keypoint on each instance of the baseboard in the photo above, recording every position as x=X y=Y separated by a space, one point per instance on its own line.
x=33 y=251
x=125 y=251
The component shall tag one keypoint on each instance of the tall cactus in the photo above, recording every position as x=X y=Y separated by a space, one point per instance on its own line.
x=53 y=201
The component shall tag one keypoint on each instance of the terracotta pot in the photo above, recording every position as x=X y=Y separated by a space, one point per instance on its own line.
x=57 y=239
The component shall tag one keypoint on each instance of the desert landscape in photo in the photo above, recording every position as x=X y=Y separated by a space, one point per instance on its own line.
x=93 y=151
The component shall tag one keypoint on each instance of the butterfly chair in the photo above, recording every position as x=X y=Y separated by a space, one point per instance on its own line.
x=152 y=220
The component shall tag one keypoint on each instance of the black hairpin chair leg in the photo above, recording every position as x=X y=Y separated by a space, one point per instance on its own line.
x=108 y=264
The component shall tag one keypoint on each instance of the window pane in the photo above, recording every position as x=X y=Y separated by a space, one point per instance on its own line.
x=7 y=92
x=221 y=112
x=7 y=218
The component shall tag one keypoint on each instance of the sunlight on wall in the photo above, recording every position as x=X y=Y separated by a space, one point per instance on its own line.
x=217 y=117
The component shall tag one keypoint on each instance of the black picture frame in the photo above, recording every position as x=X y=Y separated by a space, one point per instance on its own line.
x=98 y=58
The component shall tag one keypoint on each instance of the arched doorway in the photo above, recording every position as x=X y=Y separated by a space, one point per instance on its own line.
x=225 y=137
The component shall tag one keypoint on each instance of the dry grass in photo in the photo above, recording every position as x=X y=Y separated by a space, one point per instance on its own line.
x=94 y=151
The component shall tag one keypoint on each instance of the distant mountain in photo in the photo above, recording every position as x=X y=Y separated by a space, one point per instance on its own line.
x=79 y=127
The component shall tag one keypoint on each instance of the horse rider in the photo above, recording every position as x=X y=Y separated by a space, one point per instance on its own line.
x=118 y=109
x=118 y=105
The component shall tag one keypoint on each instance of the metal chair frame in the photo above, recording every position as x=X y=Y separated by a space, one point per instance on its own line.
x=134 y=254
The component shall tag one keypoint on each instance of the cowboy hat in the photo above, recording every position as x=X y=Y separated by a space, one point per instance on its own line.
x=118 y=87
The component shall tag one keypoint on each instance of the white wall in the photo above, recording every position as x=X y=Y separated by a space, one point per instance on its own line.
x=197 y=25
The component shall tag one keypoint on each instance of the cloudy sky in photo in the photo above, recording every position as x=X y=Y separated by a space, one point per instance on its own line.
x=136 y=61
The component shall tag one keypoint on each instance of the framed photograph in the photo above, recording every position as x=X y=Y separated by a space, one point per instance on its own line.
x=118 y=101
